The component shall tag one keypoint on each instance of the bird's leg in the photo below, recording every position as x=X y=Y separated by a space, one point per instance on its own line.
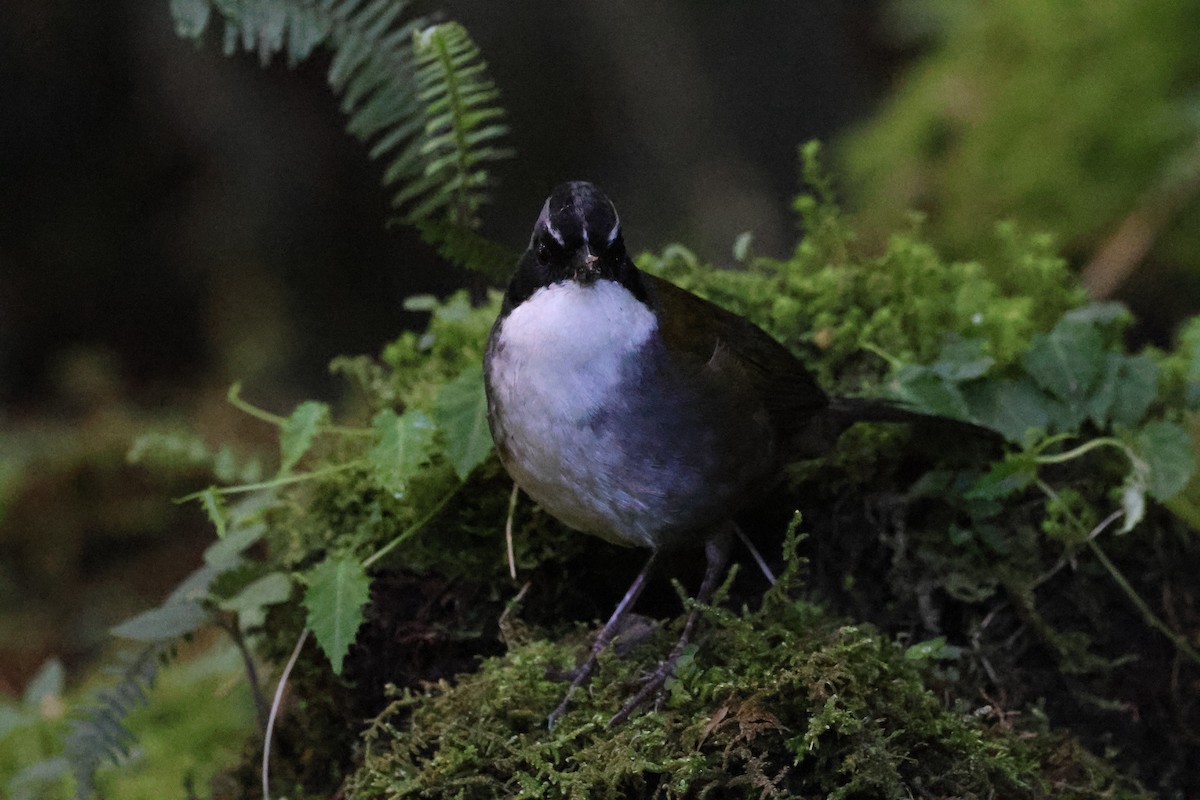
x=581 y=673
x=716 y=551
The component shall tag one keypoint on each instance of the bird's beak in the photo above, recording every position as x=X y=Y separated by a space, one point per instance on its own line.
x=587 y=268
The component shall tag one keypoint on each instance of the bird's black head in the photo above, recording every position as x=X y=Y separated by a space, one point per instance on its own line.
x=577 y=238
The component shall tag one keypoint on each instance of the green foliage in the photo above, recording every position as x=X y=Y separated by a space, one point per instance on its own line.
x=418 y=93
x=788 y=698
x=461 y=412
x=836 y=306
x=338 y=588
x=1061 y=116
x=784 y=701
x=199 y=715
x=98 y=734
x=298 y=431
x=461 y=128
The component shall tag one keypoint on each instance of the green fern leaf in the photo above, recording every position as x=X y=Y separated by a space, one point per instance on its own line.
x=419 y=95
x=97 y=735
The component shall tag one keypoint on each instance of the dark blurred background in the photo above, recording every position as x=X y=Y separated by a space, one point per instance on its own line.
x=173 y=220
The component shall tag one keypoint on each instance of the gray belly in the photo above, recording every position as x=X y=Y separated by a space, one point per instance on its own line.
x=653 y=463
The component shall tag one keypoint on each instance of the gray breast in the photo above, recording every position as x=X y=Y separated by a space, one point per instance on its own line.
x=625 y=445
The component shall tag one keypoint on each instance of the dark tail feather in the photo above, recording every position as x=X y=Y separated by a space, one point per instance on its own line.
x=823 y=430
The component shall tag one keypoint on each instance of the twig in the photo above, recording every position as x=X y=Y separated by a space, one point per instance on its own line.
x=287 y=670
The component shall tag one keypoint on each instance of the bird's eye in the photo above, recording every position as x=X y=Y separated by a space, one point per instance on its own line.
x=543 y=253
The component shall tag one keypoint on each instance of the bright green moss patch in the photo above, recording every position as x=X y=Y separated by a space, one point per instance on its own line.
x=785 y=701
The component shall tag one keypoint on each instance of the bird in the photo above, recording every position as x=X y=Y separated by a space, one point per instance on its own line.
x=634 y=410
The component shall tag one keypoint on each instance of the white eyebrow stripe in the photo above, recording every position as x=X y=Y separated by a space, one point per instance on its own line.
x=553 y=231
x=616 y=228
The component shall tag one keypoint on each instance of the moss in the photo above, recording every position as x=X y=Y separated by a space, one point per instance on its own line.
x=1009 y=112
x=784 y=701
x=842 y=309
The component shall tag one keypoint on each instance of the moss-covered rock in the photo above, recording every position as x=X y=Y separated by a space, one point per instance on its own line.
x=784 y=701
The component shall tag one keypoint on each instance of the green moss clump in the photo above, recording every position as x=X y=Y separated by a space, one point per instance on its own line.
x=785 y=701
x=840 y=308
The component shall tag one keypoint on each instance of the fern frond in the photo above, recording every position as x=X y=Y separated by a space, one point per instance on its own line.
x=98 y=733
x=418 y=94
x=461 y=126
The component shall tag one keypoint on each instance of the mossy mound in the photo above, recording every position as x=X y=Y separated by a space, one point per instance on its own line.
x=783 y=701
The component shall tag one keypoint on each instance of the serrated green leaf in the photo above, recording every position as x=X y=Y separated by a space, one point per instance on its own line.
x=297 y=433
x=402 y=444
x=1068 y=361
x=269 y=590
x=338 y=589
x=167 y=622
x=461 y=414
x=1167 y=450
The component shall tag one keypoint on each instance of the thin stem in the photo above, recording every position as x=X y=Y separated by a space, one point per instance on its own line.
x=235 y=399
x=275 y=704
x=1104 y=441
x=411 y=529
x=260 y=701
x=1148 y=614
x=508 y=531
x=893 y=362
x=271 y=484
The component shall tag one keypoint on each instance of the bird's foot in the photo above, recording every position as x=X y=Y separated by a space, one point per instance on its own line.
x=651 y=685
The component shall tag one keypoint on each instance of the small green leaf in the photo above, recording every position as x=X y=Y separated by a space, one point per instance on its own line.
x=191 y=17
x=49 y=682
x=1013 y=474
x=420 y=302
x=338 y=589
x=168 y=621
x=932 y=649
x=1068 y=361
x=225 y=553
x=1167 y=450
x=297 y=433
x=402 y=444
x=461 y=414
x=742 y=245
x=269 y=590
x=214 y=507
x=928 y=392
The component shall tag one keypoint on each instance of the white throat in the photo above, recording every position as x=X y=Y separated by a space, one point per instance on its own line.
x=558 y=359
x=567 y=342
